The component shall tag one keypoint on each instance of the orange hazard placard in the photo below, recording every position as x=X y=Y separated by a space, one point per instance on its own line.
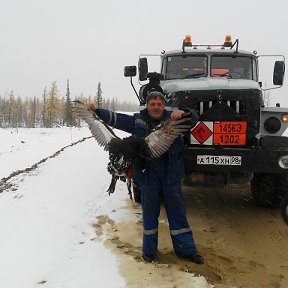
x=230 y=139
x=230 y=133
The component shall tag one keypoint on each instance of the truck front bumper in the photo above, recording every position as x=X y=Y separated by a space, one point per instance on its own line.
x=198 y=159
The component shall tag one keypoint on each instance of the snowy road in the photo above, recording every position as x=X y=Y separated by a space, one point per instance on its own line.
x=47 y=215
x=47 y=238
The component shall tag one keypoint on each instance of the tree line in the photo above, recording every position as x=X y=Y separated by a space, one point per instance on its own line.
x=51 y=110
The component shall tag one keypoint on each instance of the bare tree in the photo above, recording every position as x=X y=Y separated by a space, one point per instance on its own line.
x=11 y=109
x=44 y=120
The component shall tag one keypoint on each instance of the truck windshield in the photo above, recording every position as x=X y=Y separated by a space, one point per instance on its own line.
x=234 y=67
x=184 y=66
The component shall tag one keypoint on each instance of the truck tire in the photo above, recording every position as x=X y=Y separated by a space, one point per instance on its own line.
x=136 y=193
x=269 y=189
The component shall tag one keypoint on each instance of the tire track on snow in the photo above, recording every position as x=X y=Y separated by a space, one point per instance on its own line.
x=4 y=182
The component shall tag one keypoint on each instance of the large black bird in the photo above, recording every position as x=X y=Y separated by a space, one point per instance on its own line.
x=123 y=153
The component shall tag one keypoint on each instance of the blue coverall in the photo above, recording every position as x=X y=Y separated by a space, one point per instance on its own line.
x=161 y=180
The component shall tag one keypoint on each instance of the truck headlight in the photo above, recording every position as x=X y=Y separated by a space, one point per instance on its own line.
x=272 y=125
x=283 y=161
x=284 y=118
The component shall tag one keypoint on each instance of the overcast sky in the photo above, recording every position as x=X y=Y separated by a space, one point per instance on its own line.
x=88 y=41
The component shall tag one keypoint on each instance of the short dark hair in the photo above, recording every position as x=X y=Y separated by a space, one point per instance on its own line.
x=155 y=95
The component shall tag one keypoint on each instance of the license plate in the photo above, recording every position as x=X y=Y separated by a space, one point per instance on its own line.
x=230 y=133
x=218 y=160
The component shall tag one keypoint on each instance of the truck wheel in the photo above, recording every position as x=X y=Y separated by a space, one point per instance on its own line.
x=136 y=193
x=284 y=209
x=269 y=189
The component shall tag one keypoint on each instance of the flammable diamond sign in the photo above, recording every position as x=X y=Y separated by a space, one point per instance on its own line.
x=202 y=133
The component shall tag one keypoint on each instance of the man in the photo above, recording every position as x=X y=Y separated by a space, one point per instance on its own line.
x=160 y=180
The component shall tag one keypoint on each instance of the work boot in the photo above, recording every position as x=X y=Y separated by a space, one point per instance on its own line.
x=194 y=257
x=148 y=257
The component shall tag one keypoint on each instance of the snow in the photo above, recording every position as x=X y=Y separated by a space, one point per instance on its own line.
x=46 y=216
x=23 y=147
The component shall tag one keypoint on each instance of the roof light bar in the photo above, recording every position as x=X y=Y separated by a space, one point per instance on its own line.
x=187 y=42
x=228 y=41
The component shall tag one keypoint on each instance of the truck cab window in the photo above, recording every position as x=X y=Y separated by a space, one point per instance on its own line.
x=232 y=67
x=180 y=67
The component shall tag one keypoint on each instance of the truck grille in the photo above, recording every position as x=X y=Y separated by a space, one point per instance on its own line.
x=236 y=105
x=223 y=105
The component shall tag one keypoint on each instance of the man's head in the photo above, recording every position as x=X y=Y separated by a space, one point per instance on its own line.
x=155 y=102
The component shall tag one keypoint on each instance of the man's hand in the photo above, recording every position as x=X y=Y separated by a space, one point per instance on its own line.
x=175 y=115
x=89 y=105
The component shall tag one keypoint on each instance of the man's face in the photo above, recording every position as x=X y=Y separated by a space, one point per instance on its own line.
x=155 y=108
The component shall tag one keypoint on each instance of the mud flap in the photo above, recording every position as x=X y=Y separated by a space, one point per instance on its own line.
x=284 y=209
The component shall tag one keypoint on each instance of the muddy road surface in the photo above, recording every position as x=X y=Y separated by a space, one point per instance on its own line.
x=243 y=245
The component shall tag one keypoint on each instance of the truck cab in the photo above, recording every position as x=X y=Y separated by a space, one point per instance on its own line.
x=237 y=139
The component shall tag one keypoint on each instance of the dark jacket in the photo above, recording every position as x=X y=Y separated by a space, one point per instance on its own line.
x=141 y=124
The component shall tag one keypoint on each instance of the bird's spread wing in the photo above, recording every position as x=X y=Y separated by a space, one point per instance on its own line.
x=100 y=131
x=164 y=135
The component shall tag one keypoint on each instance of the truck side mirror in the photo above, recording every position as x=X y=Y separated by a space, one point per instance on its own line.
x=143 y=68
x=279 y=70
x=130 y=71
